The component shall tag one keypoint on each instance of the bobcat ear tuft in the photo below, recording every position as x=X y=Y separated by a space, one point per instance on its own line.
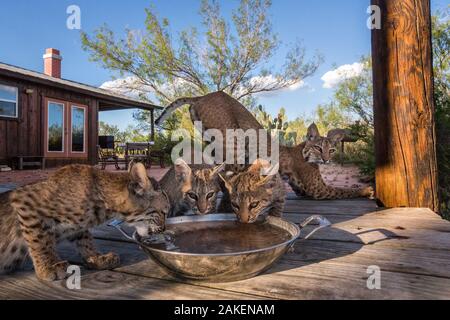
x=218 y=169
x=312 y=132
x=225 y=181
x=182 y=169
x=141 y=182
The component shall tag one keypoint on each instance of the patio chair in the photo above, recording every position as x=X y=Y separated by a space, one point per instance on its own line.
x=108 y=156
x=137 y=151
x=159 y=155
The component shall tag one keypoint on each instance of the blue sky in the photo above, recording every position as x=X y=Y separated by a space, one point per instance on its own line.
x=337 y=29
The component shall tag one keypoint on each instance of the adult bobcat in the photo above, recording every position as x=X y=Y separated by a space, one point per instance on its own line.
x=75 y=198
x=220 y=111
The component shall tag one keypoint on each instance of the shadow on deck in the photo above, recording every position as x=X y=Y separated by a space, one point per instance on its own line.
x=410 y=246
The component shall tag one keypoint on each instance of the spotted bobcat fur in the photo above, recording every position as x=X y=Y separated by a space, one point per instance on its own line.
x=220 y=111
x=252 y=194
x=75 y=198
x=193 y=187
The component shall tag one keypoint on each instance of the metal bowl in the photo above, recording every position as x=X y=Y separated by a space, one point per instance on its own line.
x=224 y=267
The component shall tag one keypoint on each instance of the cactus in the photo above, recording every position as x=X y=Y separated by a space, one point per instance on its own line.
x=277 y=124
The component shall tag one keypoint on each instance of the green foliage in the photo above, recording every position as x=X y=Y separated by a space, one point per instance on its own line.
x=361 y=152
x=355 y=94
x=105 y=129
x=330 y=116
x=278 y=124
x=231 y=55
x=297 y=128
x=134 y=133
x=441 y=64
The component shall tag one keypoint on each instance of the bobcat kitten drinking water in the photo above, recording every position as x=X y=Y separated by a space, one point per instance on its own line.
x=252 y=194
x=192 y=187
x=77 y=197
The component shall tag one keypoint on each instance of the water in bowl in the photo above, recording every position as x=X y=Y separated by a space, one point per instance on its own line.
x=221 y=237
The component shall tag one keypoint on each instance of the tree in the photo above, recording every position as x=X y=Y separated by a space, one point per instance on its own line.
x=105 y=129
x=441 y=69
x=355 y=94
x=330 y=116
x=232 y=59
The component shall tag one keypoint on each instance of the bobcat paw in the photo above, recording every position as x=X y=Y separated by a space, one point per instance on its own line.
x=57 y=271
x=103 y=262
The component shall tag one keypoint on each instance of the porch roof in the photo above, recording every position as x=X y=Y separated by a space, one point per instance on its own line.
x=108 y=100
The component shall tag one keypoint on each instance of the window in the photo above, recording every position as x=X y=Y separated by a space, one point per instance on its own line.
x=78 y=126
x=8 y=101
x=55 y=125
x=65 y=135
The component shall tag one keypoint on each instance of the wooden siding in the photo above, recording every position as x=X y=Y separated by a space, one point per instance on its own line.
x=25 y=135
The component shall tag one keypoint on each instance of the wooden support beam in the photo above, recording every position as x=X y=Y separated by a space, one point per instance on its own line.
x=152 y=125
x=405 y=141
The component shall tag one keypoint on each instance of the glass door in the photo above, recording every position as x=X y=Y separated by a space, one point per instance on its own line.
x=65 y=130
x=55 y=129
x=78 y=138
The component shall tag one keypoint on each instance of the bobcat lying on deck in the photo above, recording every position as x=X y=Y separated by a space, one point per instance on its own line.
x=220 y=111
x=252 y=194
x=192 y=187
x=77 y=197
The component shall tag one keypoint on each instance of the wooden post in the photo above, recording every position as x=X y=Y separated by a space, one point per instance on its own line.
x=405 y=141
x=152 y=125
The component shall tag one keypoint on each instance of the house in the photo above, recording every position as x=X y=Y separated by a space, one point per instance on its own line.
x=43 y=115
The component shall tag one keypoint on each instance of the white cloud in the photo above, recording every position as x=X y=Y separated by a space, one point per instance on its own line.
x=263 y=81
x=129 y=86
x=133 y=87
x=267 y=82
x=346 y=71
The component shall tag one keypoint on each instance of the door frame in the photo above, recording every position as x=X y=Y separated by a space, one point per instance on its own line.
x=67 y=130
x=77 y=154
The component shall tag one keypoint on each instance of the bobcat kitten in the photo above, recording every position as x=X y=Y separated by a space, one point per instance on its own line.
x=252 y=194
x=75 y=198
x=192 y=187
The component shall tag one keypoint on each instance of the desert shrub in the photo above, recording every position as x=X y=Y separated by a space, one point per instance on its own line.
x=361 y=152
x=441 y=64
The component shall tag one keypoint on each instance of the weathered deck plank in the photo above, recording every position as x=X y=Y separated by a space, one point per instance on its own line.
x=109 y=285
x=322 y=280
x=411 y=247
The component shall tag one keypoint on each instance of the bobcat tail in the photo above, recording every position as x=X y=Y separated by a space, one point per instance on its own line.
x=345 y=193
x=172 y=107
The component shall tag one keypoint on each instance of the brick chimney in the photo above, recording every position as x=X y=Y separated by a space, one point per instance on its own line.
x=52 y=63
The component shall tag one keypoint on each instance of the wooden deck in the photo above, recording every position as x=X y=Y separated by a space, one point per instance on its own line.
x=410 y=246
